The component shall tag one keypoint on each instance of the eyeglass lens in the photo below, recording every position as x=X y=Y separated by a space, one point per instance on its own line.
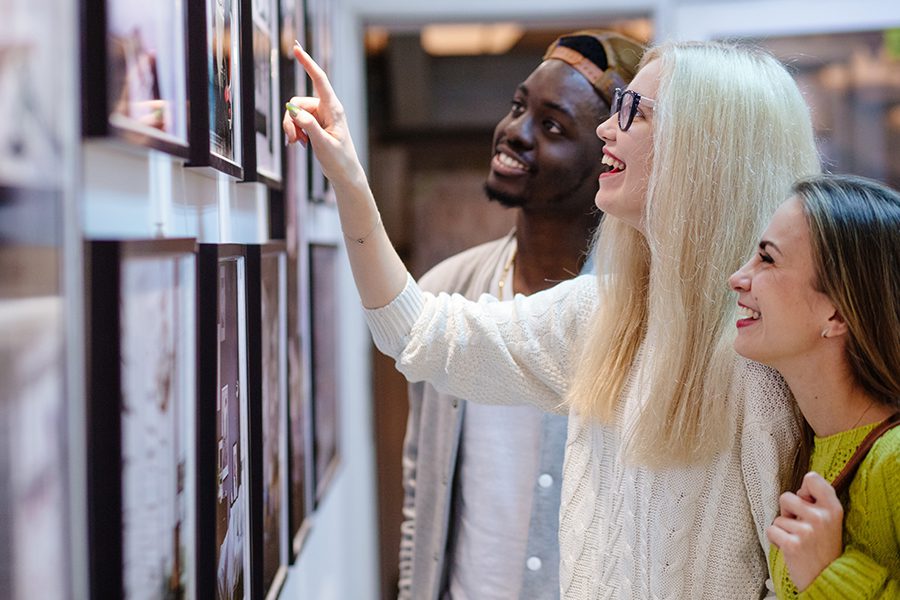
x=623 y=104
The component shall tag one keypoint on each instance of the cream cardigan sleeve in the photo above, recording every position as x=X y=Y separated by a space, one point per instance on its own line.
x=769 y=433
x=515 y=352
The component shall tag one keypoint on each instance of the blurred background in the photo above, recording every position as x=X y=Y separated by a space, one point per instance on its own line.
x=424 y=84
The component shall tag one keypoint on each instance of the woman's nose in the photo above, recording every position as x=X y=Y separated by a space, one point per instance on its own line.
x=606 y=130
x=740 y=279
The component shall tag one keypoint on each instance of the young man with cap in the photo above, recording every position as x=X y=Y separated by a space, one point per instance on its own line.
x=482 y=483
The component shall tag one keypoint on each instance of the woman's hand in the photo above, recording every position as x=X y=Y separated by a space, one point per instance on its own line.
x=321 y=121
x=809 y=529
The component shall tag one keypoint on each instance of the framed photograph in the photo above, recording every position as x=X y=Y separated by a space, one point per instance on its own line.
x=224 y=477
x=299 y=437
x=290 y=202
x=323 y=325
x=318 y=21
x=34 y=482
x=262 y=100
x=143 y=401
x=31 y=135
x=135 y=68
x=268 y=382
x=215 y=75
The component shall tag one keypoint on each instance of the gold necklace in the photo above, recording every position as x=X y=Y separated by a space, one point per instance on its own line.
x=506 y=267
x=859 y=420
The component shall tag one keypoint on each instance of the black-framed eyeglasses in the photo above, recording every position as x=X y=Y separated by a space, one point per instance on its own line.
x=626 y=102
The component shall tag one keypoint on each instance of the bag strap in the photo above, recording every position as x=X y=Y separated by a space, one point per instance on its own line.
x=842 y=482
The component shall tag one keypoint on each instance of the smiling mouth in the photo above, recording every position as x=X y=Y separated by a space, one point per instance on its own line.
x=747 y=316
x=616 y=165
x=506 y=164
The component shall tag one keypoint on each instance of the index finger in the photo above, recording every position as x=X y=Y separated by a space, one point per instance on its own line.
x=320 y=82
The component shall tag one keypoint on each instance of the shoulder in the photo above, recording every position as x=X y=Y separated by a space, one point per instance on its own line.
x=454 y=273
x=883 y=461
x=762 y=392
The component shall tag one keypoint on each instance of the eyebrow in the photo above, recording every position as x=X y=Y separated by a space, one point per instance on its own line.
x=764 y=244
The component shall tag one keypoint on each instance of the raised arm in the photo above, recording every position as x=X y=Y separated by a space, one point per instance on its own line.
x=377 y=269
x=517 y=352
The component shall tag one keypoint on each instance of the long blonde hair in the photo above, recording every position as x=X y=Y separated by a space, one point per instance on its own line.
x=731 y=132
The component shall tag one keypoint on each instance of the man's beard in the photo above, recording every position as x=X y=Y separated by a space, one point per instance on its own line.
x=506 y=200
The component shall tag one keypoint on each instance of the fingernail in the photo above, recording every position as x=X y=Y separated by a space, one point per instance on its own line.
x=292 y=109
x=296 y=43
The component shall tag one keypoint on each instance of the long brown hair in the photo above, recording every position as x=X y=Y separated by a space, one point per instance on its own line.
x=854 y=226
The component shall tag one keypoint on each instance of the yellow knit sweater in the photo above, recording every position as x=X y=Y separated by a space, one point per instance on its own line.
x=870 y=564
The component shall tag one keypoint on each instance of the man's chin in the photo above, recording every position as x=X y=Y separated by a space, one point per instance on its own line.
x=507 y=200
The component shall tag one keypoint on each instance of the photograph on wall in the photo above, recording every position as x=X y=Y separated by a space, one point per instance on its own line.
x=268 y=381
x=232 y=508
x=295 y=187
x=32 y=463
x=318 y=23
x=34 y=484
x=298 y=380
x=146 y=70
x=158 y=361
x=267 y=102
x=31 y=142
x=223 y=60
x=323 y=325
x=298 y=454
x=142 y=402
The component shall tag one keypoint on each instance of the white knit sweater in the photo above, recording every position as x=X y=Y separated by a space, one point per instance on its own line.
x=625 y=531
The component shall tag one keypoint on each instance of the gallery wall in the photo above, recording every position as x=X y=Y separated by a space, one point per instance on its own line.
x=105 y=190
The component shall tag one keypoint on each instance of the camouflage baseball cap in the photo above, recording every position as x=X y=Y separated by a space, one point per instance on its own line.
x=606 y=59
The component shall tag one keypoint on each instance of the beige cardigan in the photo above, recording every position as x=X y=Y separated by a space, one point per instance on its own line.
x=626 y=531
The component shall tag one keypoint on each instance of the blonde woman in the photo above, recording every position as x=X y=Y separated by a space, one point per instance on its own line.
x=676 y=450
x=820 y=303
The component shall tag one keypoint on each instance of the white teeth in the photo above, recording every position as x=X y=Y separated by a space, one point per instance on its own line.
x=509 y=161
x=747 y=313
x=612 y=162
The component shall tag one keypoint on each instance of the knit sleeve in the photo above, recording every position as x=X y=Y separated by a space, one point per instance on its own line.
x=858 y=573
x=852 y=575
x=487 y=351
x=768 y=442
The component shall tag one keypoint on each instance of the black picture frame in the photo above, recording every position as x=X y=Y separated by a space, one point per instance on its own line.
x=290 y=202
x=224 y=475
x=134 y=58
x=34 y=409
x=142 y=365
x=263 y=136
x=323 y=356
x=215 y=77
x=268 y=382
x=319 y=43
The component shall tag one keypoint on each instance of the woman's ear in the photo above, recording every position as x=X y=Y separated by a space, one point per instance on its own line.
x=836 y=326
